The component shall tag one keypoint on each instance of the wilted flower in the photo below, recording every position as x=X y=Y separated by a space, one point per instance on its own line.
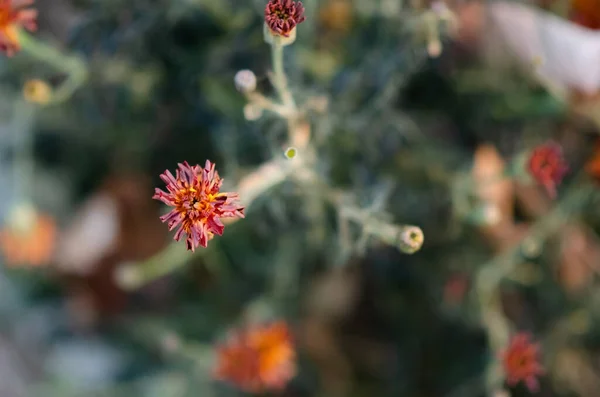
x=198 y=204
x=282 y=16
x=547 y=166
x=521 y=363
x=37 y=91
x=245 y=80
x=258 y=359
x=13 y=15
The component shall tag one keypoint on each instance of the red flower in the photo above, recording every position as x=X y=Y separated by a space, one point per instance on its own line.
x=547 y=166
x=198 y=204
x=258 y=359
x=12 y=16
x=521 y=362
x=282 y=16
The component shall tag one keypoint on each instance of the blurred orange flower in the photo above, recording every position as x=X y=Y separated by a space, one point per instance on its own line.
x=14 y=14
x=31 y=247
x=592 y=167
x=258 y=359
x=547 y=166
x=198 y=204
x=521 y=362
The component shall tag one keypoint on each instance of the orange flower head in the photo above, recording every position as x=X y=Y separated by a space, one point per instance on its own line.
x=15 y=14
x=258 y=359
x=521 y=363
x=197 y=203
x=30 y=246
x=547 y=166
x=282 y=16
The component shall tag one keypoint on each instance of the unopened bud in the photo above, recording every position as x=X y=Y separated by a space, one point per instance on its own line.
x=37 y=91
x=128 y=276
x=410 y=239
x=291 y=152
x=245 y=81
x=252 y=112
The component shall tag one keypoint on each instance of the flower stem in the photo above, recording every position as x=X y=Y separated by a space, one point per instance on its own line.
x=279 y=77
x=72 y=65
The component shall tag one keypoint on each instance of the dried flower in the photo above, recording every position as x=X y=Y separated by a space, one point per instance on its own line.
x=37 y=91
x=198 y=204
x=547 y=166
x=258 y=359
x=245 y=81
x=521 y=363
x=13 y=15
x=282 y=16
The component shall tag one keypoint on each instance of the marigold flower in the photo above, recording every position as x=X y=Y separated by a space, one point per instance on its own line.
x=14 y=14
x=258 y=359
x=521 y=363
x=547 y=166
x=198 y=204
x=282 y=16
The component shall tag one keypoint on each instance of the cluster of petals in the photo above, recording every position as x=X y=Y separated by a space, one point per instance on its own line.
x=258 y=359
x=198 y=205
x=282 y=16
x=15 y=14
x=547 y=166
x=521 y=362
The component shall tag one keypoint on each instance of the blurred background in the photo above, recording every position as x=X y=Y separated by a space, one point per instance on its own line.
x=434 y=243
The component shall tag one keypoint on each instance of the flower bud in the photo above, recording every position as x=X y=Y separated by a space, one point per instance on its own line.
x=245 y=81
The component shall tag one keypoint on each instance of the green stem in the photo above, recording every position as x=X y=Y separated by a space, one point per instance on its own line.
x=72 y=65
x=279 y=77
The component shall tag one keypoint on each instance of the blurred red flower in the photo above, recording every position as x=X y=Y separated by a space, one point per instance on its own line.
x=521 y=362
x=282 y=16
x=14 y=14
x=547 y=166
x=258 y=359
x=198 y=204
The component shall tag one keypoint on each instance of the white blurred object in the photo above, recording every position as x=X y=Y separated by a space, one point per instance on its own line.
x=562 y=53
x=92 y=235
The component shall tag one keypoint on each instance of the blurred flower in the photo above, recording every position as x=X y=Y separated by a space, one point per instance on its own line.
x=258 y=359
x=592 y=167
x=336 y=15
x=586 y=13
x=32 y=245
x=12 y=16
x=282 y=16
x=245 y=81
x=521 y=363
x=455 y=288
x=198 y=204
x=37 y=91
x=547 y=166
